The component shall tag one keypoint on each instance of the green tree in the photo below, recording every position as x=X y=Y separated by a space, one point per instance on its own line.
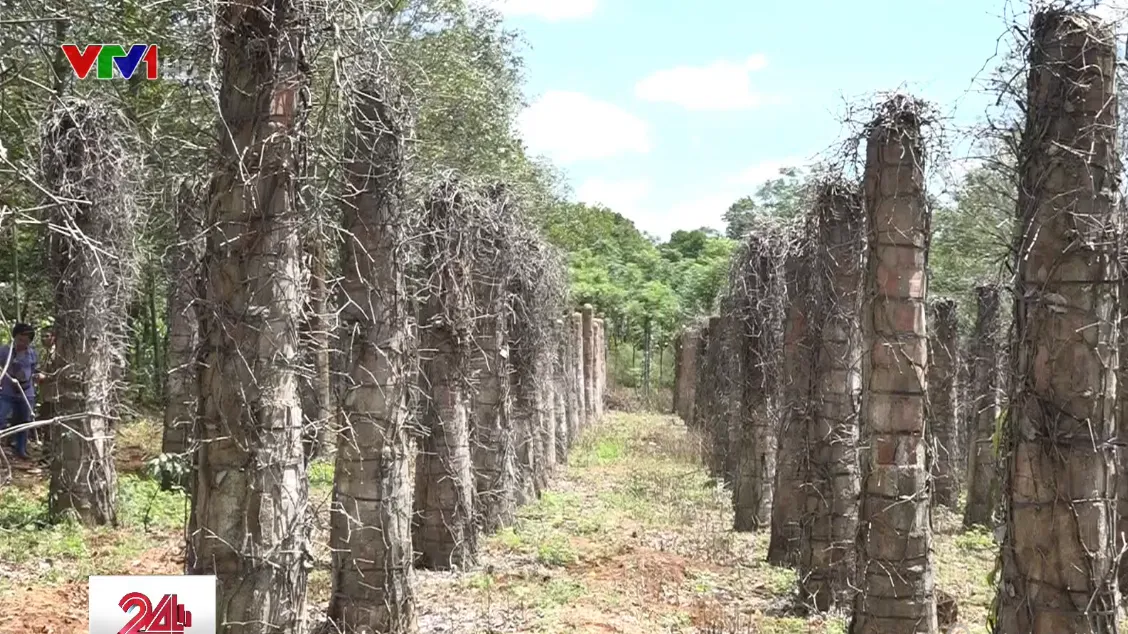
x=778 y=198
x=971 y=237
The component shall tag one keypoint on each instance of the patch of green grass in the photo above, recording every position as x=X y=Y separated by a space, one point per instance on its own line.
x=142 y=503
x=976 y=539
x=779 y=581
x=608 y=450
x=480 y=581
x=550 y=548
x=630 y=505
x=556 y=551
x=510 y=539
x=590 y=525
x=561 y=592
x=63 y=541
x=963 y=562
x=599 y=451
x=702 y=582
x=18 y=509
x=143 y=433
x=26 y=535
x=676 y=622
x=321 y=473
x=759 y=624
x=836 y=625
x=320 y=585
x=60 y=551
x=544 y=526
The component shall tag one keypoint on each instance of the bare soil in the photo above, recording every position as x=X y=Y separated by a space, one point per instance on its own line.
x=632 y=538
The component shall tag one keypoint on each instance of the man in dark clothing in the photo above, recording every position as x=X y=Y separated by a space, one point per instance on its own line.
x=17 y=385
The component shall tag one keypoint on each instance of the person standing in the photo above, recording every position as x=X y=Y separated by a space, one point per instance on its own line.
x=17 y=384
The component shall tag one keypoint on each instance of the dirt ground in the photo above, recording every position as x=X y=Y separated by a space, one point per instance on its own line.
x=632 y=538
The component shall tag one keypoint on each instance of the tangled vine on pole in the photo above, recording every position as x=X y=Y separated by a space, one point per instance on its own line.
x=88 y=161
x=1059 y=504
x=493 y=446
x=370 y=517
x=828 y=559
x=758 y=281
x=795 y=394
x=896 y=582
x=444 y=532
x=251 y=462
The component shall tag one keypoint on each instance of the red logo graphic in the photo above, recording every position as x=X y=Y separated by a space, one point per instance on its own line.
x=168 y=617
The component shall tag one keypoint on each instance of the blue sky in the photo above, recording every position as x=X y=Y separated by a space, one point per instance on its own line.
x=668 y=110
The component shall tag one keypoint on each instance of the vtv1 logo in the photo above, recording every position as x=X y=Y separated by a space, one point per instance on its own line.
x=111 y=56
x=167 y=605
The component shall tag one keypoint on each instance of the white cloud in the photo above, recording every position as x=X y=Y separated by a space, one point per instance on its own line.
x=622 y=196
x=763 y=171
x=571 y=126
x=634 y=200
x=688 y=214
x=550 y=10
x=721 y=85
x=701 y=212
x=707 y=210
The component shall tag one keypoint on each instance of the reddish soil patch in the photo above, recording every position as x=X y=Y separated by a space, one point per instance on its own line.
x=64 y=609
x=45 y=610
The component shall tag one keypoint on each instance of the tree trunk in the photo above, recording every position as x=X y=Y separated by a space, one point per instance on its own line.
x=646 y=361
x=679 y=341
x=181 y=387
x=1059 y=547
x=370 y=523
x=982 y=476
x=896 y=592
x=828 y=560
x=690 y=369
x=16 y=286
x=88 y=157
x=157 y=369
x=786 y=531
x=943 y=358
x=249 y=516
x=1122 y=397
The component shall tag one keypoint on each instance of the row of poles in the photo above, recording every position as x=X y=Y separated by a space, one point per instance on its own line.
x=840 y=428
